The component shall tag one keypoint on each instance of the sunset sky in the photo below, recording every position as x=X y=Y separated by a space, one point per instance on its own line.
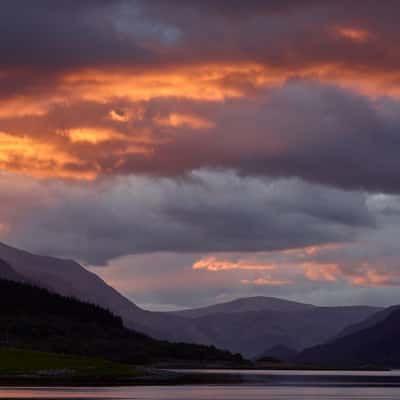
x=191 y=152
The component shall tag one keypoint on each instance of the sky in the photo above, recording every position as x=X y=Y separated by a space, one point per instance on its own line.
x=192 y=152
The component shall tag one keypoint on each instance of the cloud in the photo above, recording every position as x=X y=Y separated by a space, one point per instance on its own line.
x=304 y=129
x=215 y=264
x=208 y=212
x=265 y=281
x=149 y=34
x=205 y=132
x=120 y=88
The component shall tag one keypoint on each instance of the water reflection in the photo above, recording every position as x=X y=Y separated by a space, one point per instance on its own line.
x=205 y=393
x=257 y=385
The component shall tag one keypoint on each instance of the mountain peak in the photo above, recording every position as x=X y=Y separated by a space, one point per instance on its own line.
x=246 y=304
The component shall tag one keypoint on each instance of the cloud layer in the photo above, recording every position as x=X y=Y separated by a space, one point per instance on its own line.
x=207 y=212
x=136 y=88
x=211 y=141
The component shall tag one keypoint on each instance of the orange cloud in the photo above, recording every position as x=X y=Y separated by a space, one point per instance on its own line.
x=175 y=120
x=265 y=281
x=370 y=276
x=22 y=106
x=218 y=82
x=354 y=34
x=321 y=272
x=116 y=116
x=214 y=264
x=199 y=83
x=202 y=82
x=25 y=155
x=4 y=228
x=92 y=135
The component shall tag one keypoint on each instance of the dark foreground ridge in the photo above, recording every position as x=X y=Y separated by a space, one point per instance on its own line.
x=36 y=319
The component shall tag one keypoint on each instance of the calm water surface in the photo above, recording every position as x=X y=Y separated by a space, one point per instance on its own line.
x=273 y=385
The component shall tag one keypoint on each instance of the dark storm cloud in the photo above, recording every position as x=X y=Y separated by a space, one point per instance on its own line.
x=213 y=212
x=69 y=35
x=67 y=65
x=316 y=132
x=63 y=34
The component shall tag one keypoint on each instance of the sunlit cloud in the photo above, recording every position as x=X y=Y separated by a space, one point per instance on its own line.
x=321 y=272
x=92 y=135
x=214 y=264
x=354 y=34
x=24 y=155
x=203 y=82
x=175 y=120
x=255 y=148
x=118 y=116
x=265 y=281
x=4 y=228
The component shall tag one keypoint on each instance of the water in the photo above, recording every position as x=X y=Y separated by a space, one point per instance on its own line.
x=257 y=385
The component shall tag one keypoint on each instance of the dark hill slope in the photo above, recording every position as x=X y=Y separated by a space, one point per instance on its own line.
x=281 y=353
x=368 y=322
x=6 y=272
x=378 y=345
x=37 y=319
x=68 y=278
x=248 y=332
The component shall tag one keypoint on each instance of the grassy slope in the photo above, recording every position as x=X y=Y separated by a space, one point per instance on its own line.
x=14 y=362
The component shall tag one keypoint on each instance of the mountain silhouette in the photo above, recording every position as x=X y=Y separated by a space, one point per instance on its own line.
x=376 y=345
x=247 y=326
x=279 y=352
x=36 y=319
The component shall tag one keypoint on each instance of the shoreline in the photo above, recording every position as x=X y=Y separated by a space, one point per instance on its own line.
x=155 y=378
x=165 y=377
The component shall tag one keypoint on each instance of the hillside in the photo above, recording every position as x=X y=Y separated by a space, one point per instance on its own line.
x=273 y=321
x=368 y=322
x=250 y=333
x=8 y=273
x=281 y=353
x=377 y=345
x=36 y=319
x=70 y=279
x=257 y=303
x=19 y=363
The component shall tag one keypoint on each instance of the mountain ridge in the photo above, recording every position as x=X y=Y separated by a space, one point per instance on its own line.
x=305 y=325
x=37 y=319
x=244 y=304
x=375 y=345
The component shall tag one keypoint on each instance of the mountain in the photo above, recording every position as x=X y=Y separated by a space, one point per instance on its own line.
x=279 y=352
x=6 y=272
x=70 y=279
x=257 y=303
x=377 y=345
x=248 y=326
x=251 y=332
x=36 y=319
x=368 y=322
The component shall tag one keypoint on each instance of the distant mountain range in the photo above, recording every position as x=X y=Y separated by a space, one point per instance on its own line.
x=374 y=345
x=252 y=332
x=249 y=326
x=257 y=303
